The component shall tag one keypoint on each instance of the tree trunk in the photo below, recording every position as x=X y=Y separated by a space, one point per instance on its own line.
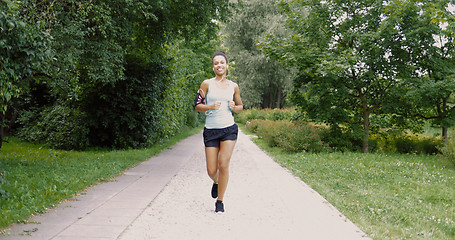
x=278 y=98
x=366 y=128
x=366 y=123
x=444 y=135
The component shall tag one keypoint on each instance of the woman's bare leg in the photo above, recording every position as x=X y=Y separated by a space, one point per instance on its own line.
x=225 y=153
x=211 y=156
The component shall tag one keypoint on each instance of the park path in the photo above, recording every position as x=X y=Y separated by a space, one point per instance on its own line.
x=168 y=197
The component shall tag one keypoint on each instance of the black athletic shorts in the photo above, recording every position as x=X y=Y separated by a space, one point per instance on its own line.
x=213 y=137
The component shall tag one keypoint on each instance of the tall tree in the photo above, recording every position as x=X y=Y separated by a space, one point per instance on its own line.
x=340 y=49
x=23 y=47
x=110 y=65
x=425 y=34
x=264 y=83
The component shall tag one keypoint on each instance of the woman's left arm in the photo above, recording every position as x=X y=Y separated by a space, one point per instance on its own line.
x=237 y=105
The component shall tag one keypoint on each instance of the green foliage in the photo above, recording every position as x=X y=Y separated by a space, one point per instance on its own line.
x=266 y=114
x=397 y=142
x=263 y=83
x=126 y=114
x=291 y=136
x=58 y=126
x=192 y=119
x=281 y=128
x=130 y=68
x=381 y=58
x=343 y=139
x=190 y=63
x=344 y=71
x=448 y=150
x=3 y=182
x=23 y=47
x=424 y=33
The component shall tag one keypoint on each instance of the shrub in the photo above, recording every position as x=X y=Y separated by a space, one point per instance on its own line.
x=279 y=128
x=266 y=114
x=300 y=136
x=343 y=139
x=248 y=115
x=192 y=119
x=399 y=142
x=58 y=126
x=429 y=145
x=290 y=136
x=266 y=129
x=253 y=125
x=126 y=114
x=279 y=114
x=271 y=131
x=448 y=150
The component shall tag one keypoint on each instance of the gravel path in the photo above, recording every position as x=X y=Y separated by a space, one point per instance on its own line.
x=263 y=201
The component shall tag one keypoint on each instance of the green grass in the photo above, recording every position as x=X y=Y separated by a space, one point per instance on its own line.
x=387 y=196
x=39 y=178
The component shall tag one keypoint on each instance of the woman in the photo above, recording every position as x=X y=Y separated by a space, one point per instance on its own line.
x=218 y=97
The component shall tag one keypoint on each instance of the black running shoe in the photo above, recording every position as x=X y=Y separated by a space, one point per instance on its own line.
x=219 y=206
x=215 y=190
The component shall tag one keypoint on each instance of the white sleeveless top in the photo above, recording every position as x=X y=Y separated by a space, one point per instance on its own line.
x=222 y=117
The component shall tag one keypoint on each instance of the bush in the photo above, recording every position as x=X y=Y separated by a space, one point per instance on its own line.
x=266 y=114
x=278 y=128
x=192 y=119
x=343 y=139
x=58 y=126
x=290 y=136
x=127 y=114
x=248 y=115
x=270 y=130
x=404 y=143
x=301 y=136
x=253 y=125
x=448 y=150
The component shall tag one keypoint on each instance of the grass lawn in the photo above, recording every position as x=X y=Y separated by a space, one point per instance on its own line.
x=387 y=196
x=38 y=178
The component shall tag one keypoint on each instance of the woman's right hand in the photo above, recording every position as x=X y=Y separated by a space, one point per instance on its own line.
x=216 y=105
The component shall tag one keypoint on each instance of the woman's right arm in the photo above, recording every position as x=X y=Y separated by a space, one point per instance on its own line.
x=201 y=107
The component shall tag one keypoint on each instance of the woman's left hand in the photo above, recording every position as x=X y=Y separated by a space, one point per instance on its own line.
x=232 y=105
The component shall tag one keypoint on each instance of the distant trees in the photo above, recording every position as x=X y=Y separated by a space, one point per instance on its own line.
x=264 y=83
x=359 y=59
x=106 y=69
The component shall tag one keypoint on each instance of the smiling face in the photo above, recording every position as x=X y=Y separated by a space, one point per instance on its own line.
x=219 y=65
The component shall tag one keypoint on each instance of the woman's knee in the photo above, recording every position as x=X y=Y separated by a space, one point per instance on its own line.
x=211 y=172
x=223 y=166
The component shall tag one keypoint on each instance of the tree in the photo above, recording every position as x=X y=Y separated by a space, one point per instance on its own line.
x=264 y=83
x=23 y=48
x=425 y=34
x=110 y=65
x=341 y=50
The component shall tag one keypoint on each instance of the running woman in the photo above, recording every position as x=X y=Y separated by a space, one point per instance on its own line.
x=219 y=97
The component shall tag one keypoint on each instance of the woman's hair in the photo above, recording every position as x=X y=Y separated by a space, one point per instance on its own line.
x=220 y=53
